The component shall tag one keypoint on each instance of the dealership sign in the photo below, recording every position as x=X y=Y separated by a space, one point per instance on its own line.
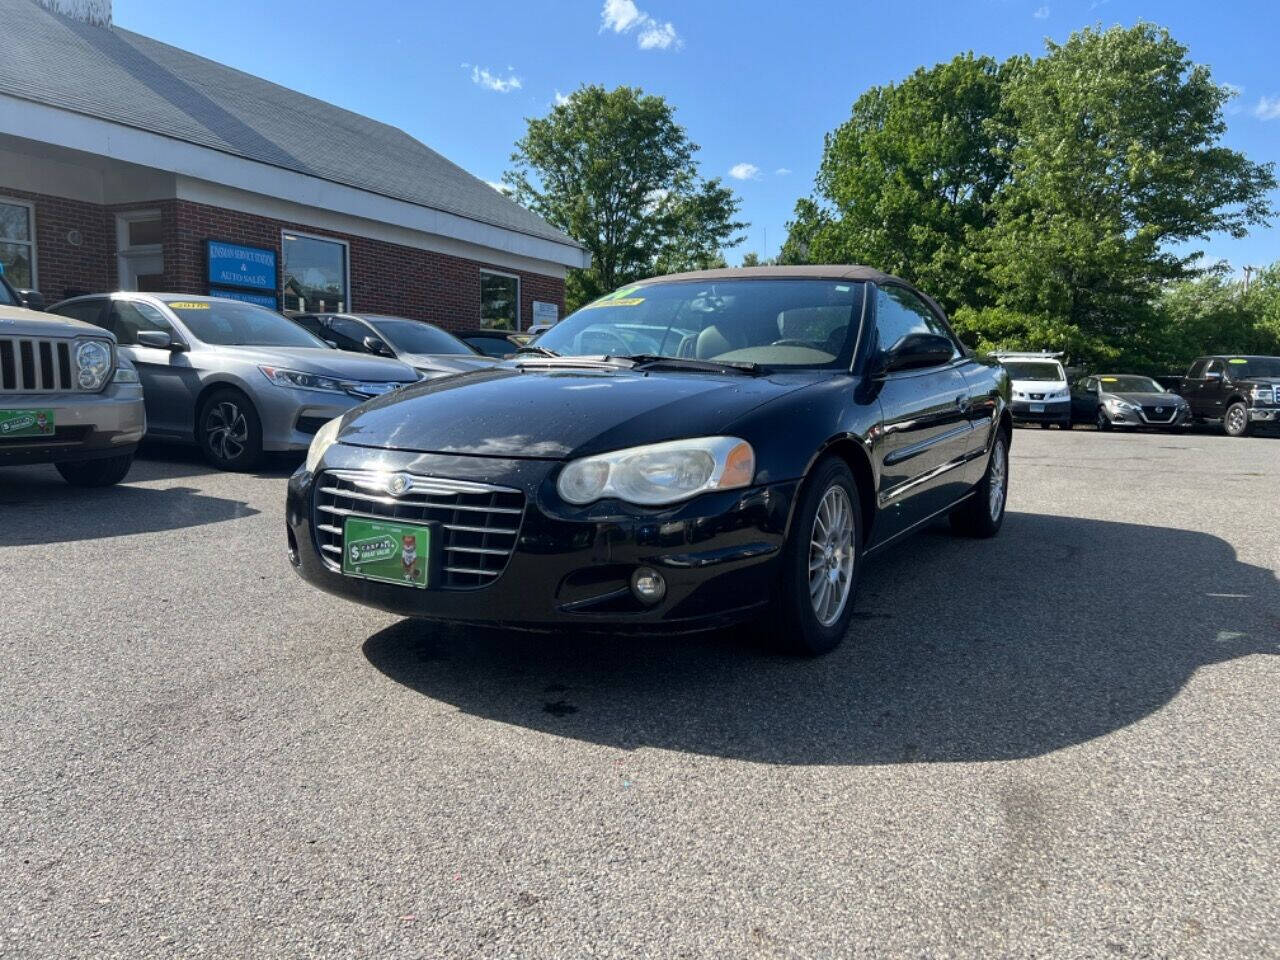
x=267 y=300
x=235 y=265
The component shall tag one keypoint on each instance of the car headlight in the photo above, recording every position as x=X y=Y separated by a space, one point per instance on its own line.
x=1263 y=394
x=1119 y=404
x=660 y=473
x=325 y=438
x=302 y=381
x=93 y=364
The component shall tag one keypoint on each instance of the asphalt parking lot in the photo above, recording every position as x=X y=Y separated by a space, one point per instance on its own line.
x=1065 y=741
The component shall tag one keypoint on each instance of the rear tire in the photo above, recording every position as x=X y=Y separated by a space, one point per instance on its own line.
x=982 y=515
x=229 y=431
x=1236 y=420
x=1066 y=426
x=820 y=564
x=1045 y=424
x=96 y=473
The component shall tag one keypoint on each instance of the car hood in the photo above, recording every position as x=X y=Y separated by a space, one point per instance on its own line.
x=554 y=414
x=324 y=362
x=447 y=362
x=1146 y=399
x=1038 y=386
x=21 y=322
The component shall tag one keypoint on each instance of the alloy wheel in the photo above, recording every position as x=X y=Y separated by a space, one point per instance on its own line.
x=831 y=556
x=995 y=482
x=1236 y=419
x=227 y=430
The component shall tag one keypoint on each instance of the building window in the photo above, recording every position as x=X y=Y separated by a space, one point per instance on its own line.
x=314 y=274
x=17 y=243
x=499 y=301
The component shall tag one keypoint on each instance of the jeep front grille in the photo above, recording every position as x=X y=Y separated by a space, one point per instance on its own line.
x=479 y=523
x=35 y=365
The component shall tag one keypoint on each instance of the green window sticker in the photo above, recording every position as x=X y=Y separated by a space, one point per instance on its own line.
x=1238 y=360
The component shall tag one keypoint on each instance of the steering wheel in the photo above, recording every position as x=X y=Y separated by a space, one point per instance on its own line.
x=626 y=350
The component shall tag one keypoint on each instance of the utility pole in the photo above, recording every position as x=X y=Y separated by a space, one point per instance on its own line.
x=1248 y=272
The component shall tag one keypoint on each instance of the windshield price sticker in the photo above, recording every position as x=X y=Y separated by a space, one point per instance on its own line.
x=624 y=302
x=1237 y=361
x=26 y=423
x=188 y=305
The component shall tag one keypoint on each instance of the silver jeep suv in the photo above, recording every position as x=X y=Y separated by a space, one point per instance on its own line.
x=66 y=397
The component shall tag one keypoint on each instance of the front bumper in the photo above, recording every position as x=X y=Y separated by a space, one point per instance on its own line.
x=87 y=426
x=1128 y=418
x=290 y=418
x=717 y=553
x=1054 y=411
x=1264 y=414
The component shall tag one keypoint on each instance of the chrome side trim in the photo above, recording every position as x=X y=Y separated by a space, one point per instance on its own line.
x=933 y=474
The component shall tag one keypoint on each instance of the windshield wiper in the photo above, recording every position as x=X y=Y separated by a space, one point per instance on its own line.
x=534 y=348
x=652 y=361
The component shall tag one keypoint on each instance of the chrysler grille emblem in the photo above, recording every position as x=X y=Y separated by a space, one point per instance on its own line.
x=399 y=484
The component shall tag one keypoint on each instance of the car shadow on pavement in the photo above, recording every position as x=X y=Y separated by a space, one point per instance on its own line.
x=37 y=507
x=157 y=460
x=1059 y=631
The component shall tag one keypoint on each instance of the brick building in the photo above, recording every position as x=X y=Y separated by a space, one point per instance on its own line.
x=130 y=164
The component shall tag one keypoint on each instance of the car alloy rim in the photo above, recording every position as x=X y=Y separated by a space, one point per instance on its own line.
x=995 y=489
x=1102 y=419
x=831 y=556
x=1236 y=418
x=227 y=430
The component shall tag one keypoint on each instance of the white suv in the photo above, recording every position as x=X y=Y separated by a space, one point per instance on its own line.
x=1040 y=391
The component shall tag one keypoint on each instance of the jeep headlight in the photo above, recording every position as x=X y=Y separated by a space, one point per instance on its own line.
x=325 y=438
x=660 y=473
x=93 y=364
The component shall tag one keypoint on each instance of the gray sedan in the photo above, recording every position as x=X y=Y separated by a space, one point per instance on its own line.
x=424 y=346
x=1123 y=400
x=235 y=378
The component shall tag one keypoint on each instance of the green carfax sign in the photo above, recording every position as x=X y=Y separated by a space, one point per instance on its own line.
x=387 y=551
x=26 y=423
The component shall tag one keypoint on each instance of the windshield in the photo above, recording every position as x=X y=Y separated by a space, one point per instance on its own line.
x=1253 y=367
x=775 y=323
x=229 y=323
x=1130 y=385
x=411 y=336
x=1034 y=370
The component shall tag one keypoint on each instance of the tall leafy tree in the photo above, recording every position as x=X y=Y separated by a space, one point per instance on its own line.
x=614 y=170
x=1116 y=162
x=908 y=180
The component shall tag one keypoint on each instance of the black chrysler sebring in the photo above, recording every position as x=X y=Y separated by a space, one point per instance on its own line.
x=687 y=452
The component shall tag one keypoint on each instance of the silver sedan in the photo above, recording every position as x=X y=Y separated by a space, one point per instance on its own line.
x=233 y=377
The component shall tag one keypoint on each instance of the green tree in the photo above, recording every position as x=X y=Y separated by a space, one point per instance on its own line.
x=907 y=182
x=751 y=259
x=1116 y=163
x=614 y=170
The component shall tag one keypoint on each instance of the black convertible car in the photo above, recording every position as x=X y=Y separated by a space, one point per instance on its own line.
x=690 y=451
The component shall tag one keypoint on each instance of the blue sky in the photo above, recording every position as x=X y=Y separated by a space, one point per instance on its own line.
x=756 y=84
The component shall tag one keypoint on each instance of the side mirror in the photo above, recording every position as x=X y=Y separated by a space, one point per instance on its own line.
x=917 y=350
x=374 y=345
x=32 y=299
x=157 y=339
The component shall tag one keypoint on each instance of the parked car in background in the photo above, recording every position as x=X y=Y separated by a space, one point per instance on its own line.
x=66 y=396
x=495 y=343
x=235 y=378
x=1040 y=391
x=1236 y=391
x=1126 y=400
x=424 y=346
x=793 y=421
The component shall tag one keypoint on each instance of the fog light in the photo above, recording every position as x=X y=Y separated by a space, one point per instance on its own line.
x=648 y=586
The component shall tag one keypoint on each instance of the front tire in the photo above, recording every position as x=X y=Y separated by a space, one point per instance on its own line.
x=1102 y=420
x=1236 y=421
x=982 y=515
x=820 y=564
x=229 y=431
x=106 y=472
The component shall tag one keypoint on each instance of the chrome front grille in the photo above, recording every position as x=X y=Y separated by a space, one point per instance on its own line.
x=35 y=365
x=479 y=523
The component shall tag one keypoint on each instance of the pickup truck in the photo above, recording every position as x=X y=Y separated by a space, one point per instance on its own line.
x=1238 y=391
x=66 y=398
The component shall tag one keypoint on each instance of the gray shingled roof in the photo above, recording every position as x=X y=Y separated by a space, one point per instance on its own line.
x=126 y=78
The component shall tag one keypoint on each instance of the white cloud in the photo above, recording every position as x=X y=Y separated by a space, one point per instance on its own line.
x=1042 y=13
x=782 y=172
x=1268 y=108
x=492 y=81
x=744 y=171
x=500 y=187
x=561 y=98
x=623 y=16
